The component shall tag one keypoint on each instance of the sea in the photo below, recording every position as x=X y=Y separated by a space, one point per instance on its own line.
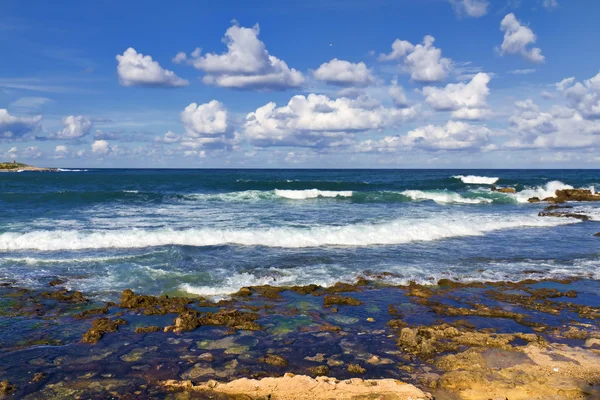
x=210 y=232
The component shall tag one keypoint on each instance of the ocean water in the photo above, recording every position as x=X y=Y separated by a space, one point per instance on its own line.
x=210 y=232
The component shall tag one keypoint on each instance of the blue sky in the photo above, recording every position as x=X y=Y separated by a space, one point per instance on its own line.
x=331 y=83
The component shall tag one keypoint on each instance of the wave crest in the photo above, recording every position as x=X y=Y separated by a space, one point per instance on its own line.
x=444 y=197
x=476 y=180
x=311 y=193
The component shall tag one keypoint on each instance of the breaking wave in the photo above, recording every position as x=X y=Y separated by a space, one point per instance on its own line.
x=444 y=197
x=548 y=190
x=395 y=232
x=476 y=180
x=311 y=193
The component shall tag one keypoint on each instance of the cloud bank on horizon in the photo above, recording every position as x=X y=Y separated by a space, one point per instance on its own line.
x=481 y=84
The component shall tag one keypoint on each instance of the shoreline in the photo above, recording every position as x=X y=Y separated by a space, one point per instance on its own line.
x=452 y=340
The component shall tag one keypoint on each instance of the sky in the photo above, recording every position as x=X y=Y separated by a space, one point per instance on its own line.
x=311 y=84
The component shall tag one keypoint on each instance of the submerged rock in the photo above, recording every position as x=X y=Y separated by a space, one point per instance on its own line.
x=147 y=329
x=67 y=296
x=275 y=360
x=356 y=369
x=101 y=326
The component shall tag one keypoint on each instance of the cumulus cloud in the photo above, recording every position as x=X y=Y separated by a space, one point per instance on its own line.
x=518 y=38
x=318 y=121
x=101 y=147
x=204 y=124
x=465 y=100
x=74 y=127
x=454 y=135
x=559 y=127
x=470 y=8
x=584 y=97
x=396 y=92
x=61 y=151
x=14 y=128
x=344 y=73
x=424 y=62
x=136 y=69
x=246 y=65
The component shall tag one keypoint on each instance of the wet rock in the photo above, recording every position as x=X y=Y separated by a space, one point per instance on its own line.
x=319 y=357
x=331 y=300
x=152 y=305
x=581 y=217
x=274 y=360
x=507 y=190
x=90 y=313
x=534 y=200
x=556 y=207
x=207 y=357
x=6 y=388
x=417 y=290
x=370 y=319
x=396 y=324
x=321 y=370
x=244 y=292
x=308 y=289
x=147 y=329
x=576 y=195
x=356 y=369
x=191 y=319
x=56 y=282
x=597 y=234
x=101 y=326
x=65 y=295
x=40 y=376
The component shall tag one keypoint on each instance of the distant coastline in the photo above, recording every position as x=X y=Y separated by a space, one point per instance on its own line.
x=20 y=167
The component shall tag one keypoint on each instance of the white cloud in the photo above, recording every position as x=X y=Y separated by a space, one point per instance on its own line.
x=522 y=71
x=61 y=151
x=29 y=103
x=344 y=73
x=396 y=92
x=517 y=39
x=585 y=97
x=454 y=135
x=423 y=62
x=74 y=127
x=205 y=125
x=135 y=69
x=471 y=8
x=12 y=127
x=465 y=100
x=550 y=4
x=246 y=65
x=101 y=147
x=560 y=127
x=318 y=121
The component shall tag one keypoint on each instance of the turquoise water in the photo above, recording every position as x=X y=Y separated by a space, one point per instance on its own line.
x=210 y=232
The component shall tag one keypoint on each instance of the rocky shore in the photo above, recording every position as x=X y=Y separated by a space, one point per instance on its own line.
x=525 y=340
x=19 y=167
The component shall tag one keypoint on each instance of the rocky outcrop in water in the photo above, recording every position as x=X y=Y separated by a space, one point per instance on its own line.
x=564 y=195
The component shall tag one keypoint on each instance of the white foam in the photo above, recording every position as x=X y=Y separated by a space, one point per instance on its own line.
x=548 y=190
x=71 y=170
x=311 y=193
x=444 y=197
x=476 y=180
x=395 y=232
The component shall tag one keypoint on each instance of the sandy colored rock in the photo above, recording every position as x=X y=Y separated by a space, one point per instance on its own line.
x=301 y=387
x=507 y=190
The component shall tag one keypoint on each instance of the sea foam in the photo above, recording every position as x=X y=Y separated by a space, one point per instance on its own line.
x=395 y=232
x=444 y=197
x=541 y=192
x=311 y=193
x=476 y=180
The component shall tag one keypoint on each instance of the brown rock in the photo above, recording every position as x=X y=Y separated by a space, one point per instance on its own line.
x=6 y=388
x=147 y=329
x=582 y=217
x=356 y=369
x=534 y=200
x=507 y=190
x=330 y=300
x=321 y=370
x=65 y=295
x=152 y=305
x=274 y=360
x=101 y=326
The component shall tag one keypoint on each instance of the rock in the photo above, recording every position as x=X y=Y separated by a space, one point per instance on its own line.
x=147 y=329
x=244 y=292
x=592 y=342
x=101 y=326
x=356 y=369
x=556 y=207
x=191 y=319
x=319 y=357
x=370 y=319
x=581 y=217
x=301 y=387
x=507 y=190
x=6 y=388
x=152 y=305
x=534 y=200
x=65 y=295
x=274 y=360
x=321 y=370
x=330 y=300
x=38 y=377
x=136 y=354
x=576 y=195
x=597 y=234
x=56 y=282
x=208 y=357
